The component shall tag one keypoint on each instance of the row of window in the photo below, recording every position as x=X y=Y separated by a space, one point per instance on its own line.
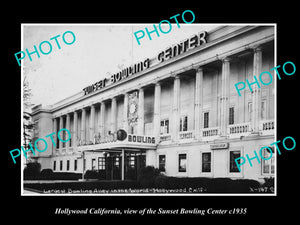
x=164 y=124
x=206 y=164
x=68 y=165
x=102 y=163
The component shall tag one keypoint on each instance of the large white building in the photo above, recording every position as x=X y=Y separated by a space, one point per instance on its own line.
x=180 y=110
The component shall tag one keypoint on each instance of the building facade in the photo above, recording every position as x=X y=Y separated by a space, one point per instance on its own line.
x=180 y=112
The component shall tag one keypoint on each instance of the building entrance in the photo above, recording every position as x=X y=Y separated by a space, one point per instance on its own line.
x=133 y=162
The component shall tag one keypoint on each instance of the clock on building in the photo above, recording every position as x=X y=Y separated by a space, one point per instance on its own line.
x=132 y=108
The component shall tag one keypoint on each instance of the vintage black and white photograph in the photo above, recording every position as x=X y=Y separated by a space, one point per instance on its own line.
x=149 y=109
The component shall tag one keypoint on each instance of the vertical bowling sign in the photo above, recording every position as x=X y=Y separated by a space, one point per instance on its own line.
x=133 y=109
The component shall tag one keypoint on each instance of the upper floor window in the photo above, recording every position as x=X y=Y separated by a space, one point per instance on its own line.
x=183 y=123
x=231 y=115
x=206 y=120
x=164 y=126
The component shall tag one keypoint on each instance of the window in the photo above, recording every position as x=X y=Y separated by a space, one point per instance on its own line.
x=268 y=165
x=250 y=111
x=263 y=110
x=232 y=164
x=68 y=165
x=182 y=163
x=75 y=164
x=231 y=115
x=101 y=163
x=61 y=165
x=206 y=162
x=206 y=120
x=183 y=123
x=93 y=164
x=54 y=165
x=131 y=162
x=164 y=126
x=116 y=162
x=162 y=163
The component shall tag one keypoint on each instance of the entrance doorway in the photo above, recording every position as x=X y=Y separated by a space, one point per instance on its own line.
x=111 y=165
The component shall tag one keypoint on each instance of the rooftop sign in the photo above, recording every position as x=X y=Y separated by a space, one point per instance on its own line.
x=171 y=52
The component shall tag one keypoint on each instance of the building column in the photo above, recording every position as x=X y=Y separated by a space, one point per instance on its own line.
x=113 y=127
x=75 y=132
x=225 y=96
x=83 y=114
x=123 y=165
x=176 y=109
x=102 y=120
x=198 y=102
x=125 y=113
x=55 y=137
x=60 y=144
x=92 y=123
x=256 y=103
x=156 y=118
x=140 y=123
x=67 y=127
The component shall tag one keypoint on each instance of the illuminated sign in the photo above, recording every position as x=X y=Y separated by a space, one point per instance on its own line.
x=94 y=87
x=123 y=74
x=171 y=52
x=183 y=46
x=138 y=67
x=141 y=139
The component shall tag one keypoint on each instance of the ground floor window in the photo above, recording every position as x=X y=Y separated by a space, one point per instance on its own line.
x=268 y=165
x=116 y=162
x=68 y=165
x=75 y=164
x=101 y=163
x=131 y=162
x=61 y=165
x=54 y=165
x=232 y=164
x=182 y=163
x=162 y=163
x=206 y=162
x=93 y=164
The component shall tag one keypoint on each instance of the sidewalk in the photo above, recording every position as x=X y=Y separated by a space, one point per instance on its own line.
x=47 y=181
x=27 y=192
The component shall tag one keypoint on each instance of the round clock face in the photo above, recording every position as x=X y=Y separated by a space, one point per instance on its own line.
x=132 y=108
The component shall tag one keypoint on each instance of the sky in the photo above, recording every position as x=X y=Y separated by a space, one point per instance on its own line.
x=99 y=50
